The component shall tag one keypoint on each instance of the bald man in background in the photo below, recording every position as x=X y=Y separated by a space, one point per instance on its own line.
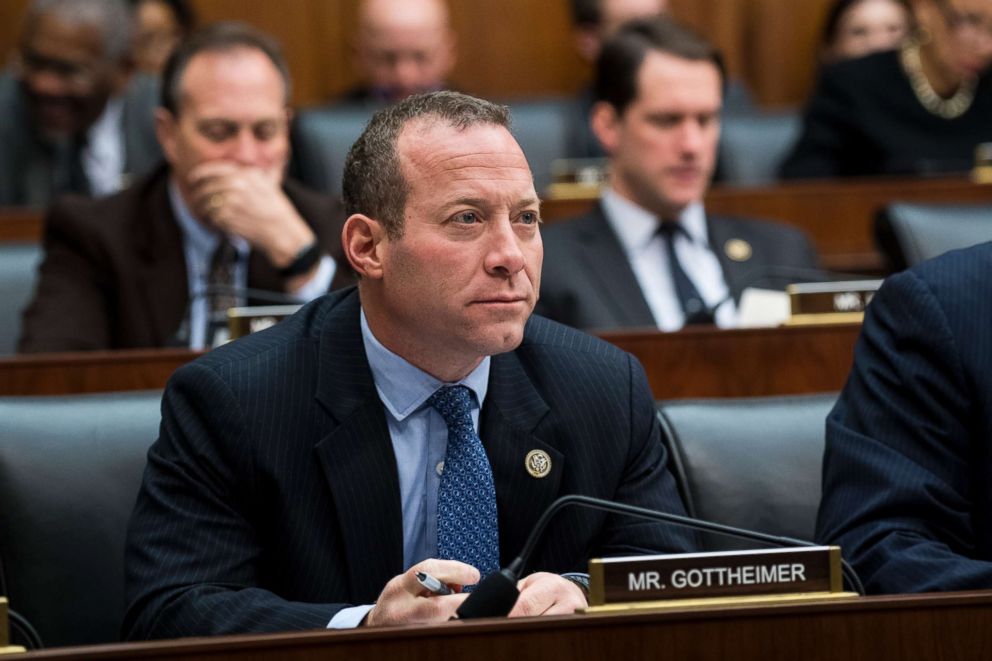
x=403 y=47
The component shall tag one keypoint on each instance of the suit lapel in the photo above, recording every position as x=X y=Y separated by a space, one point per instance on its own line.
x=512 y=411
x=735 y=273
x=357 y=455
x=162 y=270
x=610 y=270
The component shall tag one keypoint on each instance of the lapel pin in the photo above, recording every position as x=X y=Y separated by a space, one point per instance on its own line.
x=538 y=463
x=738 y=250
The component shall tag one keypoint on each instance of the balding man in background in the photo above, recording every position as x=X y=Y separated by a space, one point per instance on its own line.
x=403 y=47
x=74 y=117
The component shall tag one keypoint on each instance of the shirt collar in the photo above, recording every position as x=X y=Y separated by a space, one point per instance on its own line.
x=636 y=227
x=107 y=125
x=403 y=387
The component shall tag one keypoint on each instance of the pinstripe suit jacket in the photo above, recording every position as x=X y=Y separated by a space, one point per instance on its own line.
x=271 y=498
x=908 y=460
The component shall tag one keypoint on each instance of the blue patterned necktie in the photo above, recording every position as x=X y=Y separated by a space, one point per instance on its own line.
x=467 y=527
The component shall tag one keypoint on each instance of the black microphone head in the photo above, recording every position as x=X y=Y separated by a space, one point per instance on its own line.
x=494 y=596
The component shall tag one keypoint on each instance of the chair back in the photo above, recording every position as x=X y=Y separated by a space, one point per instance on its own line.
x=70 y=469
x=753 y=146
x=18 y=272
x=908 y=234
x=751 y=462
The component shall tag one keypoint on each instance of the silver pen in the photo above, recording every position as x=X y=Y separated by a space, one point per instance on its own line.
x=432 y=585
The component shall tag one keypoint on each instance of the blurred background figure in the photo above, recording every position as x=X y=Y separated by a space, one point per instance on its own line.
x=403 y=47
x=75 y=120
x=858 y=27
x=160 y=25
x=921 y=109
x=595 y=21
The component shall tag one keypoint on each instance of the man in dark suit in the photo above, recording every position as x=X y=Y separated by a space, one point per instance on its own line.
x=402 y=47
x=74 y=118
x=156 y=264
x=648 y=254
x=909 y=444
x=305 y=474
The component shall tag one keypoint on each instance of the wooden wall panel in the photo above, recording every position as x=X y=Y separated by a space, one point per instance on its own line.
x=513 y=48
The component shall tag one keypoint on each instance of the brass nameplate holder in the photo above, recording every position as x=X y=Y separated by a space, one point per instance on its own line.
x=830 y=302
x=247 y=320
x=5 y=646
x=707 y=579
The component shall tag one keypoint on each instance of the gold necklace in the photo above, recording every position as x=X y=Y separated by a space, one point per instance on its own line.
x=950 y=108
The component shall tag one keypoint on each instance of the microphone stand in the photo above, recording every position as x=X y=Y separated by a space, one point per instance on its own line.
x=497 y=593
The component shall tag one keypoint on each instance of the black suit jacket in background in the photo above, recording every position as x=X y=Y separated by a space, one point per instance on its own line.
x=907 y=473
x=114 y=272
x=587 y=281
x=271 y=498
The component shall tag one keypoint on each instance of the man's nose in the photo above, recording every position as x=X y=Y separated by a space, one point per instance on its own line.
x=505 y=256
x=246 y=148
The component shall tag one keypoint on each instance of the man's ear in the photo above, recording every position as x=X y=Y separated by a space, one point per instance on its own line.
x=606 y=126
x=166 y=127
x=363 y=238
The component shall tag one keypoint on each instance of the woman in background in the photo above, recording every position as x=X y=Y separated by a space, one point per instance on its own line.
x=855 y=28
x=160 y=26
x=921 y=109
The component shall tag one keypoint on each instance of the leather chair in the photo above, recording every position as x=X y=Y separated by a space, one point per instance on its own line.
x=749 y=462
x=18 y=272
x=70 y=468
x=908 y=234
x=322 y=137
x=753 y=146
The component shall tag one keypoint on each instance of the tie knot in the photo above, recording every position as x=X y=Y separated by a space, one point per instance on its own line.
x=454 y=403
x=669 y=229
x=224 y=254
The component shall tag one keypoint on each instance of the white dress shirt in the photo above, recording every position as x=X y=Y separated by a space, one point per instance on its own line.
x=103 y=156
x=637 y=230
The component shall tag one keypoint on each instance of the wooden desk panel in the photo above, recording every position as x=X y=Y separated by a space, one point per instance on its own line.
x=742 y=363
x=950 y=627
x=838 y=214
x=21 y=224
x=690 y=363
x=89 y=371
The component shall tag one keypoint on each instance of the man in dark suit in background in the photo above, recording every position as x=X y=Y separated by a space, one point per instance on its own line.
x=648 y=254
x=422 y=422
x=159 y=263
x=74 y=118
x=402 y=47
x=908 y=459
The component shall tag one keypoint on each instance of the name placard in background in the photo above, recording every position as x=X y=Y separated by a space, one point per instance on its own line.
x=802 y=570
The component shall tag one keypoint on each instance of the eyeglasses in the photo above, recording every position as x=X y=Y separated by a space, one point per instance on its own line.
x=966 y=24
x=73 y=73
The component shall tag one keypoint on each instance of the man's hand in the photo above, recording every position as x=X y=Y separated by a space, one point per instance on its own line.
x=405 y=601
x=249 y=202
x=547 y=594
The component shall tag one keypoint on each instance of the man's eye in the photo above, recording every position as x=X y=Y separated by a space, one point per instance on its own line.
x=217 y=132
x=266 y=130
x=466 y=217
x=530 y=218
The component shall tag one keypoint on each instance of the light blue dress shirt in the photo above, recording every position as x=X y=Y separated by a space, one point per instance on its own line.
x=420 y=440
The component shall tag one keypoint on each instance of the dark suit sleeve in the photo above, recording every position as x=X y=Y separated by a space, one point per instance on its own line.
x=899 y=476
x=646 y=482
x=70 y=310
x=193 y=556
x=828 y=133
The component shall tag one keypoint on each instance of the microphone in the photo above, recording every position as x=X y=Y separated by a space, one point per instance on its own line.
x=496 y=594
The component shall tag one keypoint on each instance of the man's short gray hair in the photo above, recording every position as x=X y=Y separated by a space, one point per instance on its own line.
x=114 y=19
x=373 y=179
